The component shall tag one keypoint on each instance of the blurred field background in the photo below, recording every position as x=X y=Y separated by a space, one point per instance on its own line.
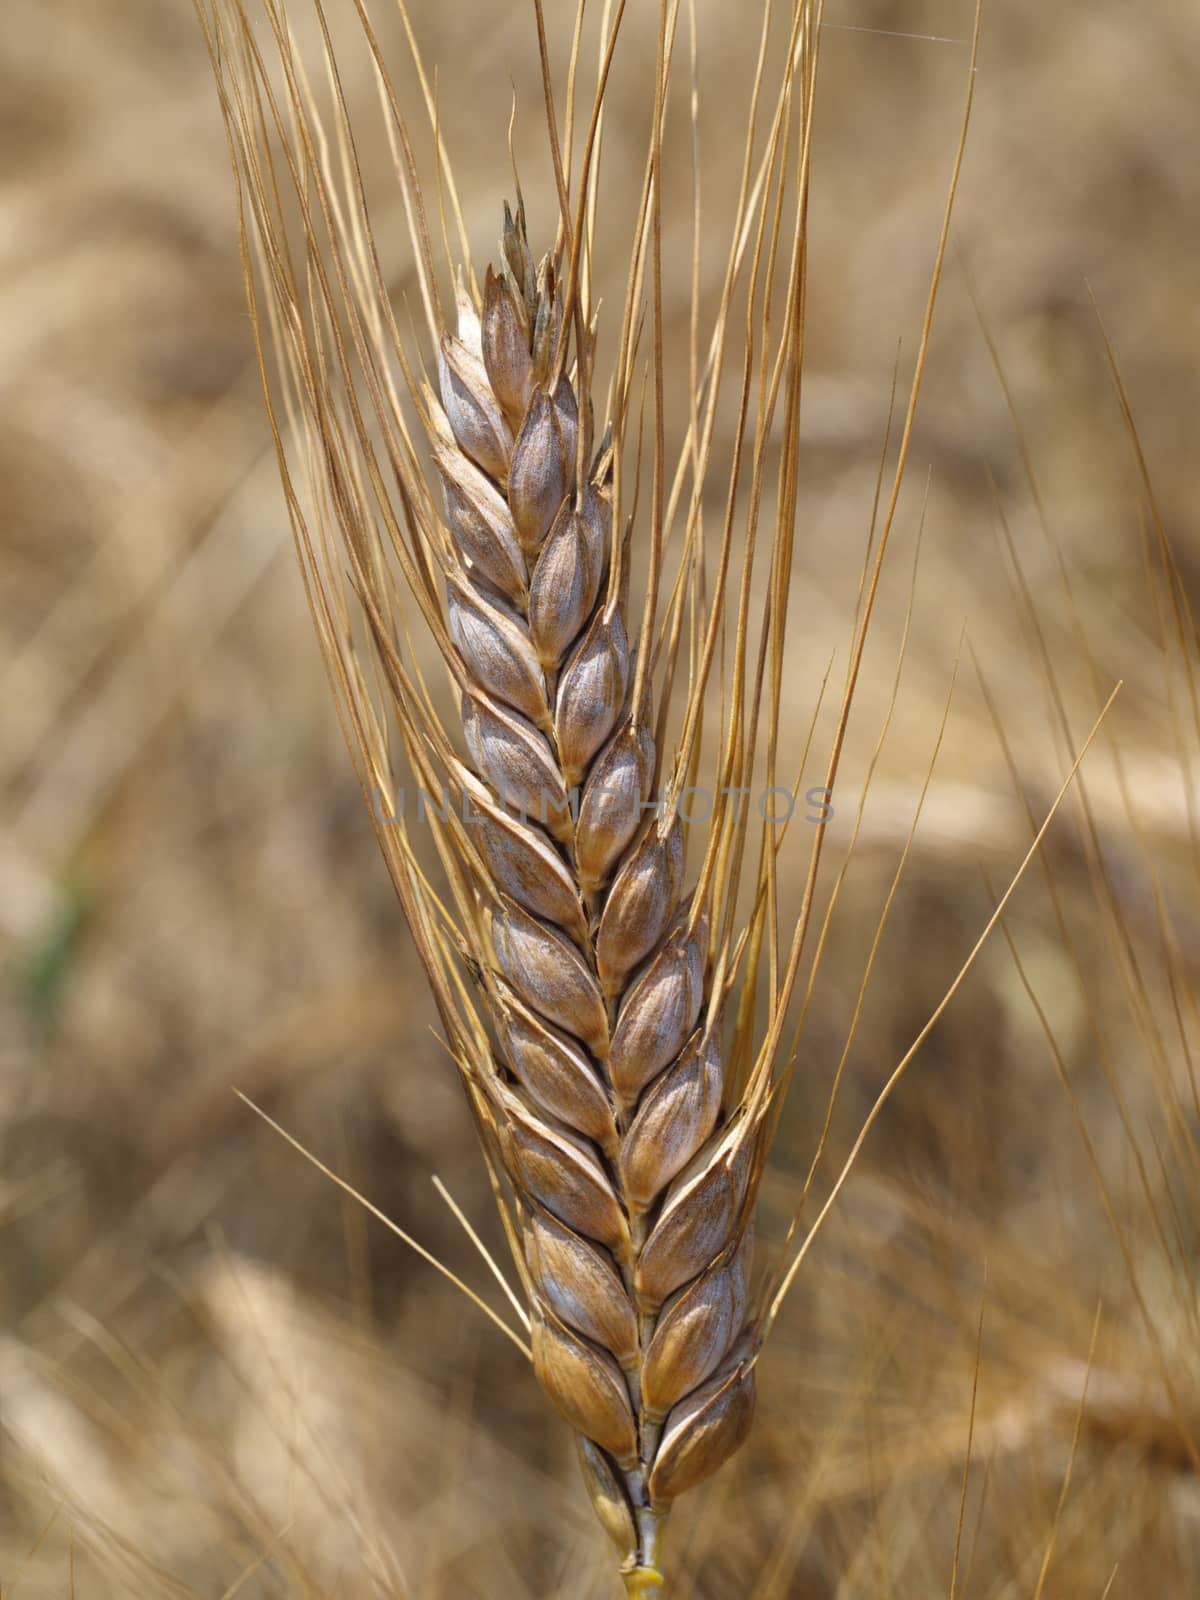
x=218 y=1375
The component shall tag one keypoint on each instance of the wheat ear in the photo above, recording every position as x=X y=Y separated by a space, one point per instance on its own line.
x=585 y=990
x=632 y=1189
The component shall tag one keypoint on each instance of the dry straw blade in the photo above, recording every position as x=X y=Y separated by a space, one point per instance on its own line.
x=473 y=483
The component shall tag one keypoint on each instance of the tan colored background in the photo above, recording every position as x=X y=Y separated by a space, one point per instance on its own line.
x=214 y=1368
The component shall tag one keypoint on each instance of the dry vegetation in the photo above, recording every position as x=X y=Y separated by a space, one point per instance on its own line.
x=217 y=1374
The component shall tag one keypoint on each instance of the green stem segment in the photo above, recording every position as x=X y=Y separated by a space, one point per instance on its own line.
x=645 y=1581
x=643 y=1584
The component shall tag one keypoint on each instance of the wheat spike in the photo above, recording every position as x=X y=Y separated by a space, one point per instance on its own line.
x=633 y=1209
x=623 y=1104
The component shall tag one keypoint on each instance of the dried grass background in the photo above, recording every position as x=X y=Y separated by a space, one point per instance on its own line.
x=217 y=1374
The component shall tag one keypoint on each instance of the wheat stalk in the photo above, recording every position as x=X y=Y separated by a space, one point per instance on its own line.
x=601 y=1005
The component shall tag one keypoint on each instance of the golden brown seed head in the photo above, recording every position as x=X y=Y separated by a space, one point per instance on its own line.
x=597 y=986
